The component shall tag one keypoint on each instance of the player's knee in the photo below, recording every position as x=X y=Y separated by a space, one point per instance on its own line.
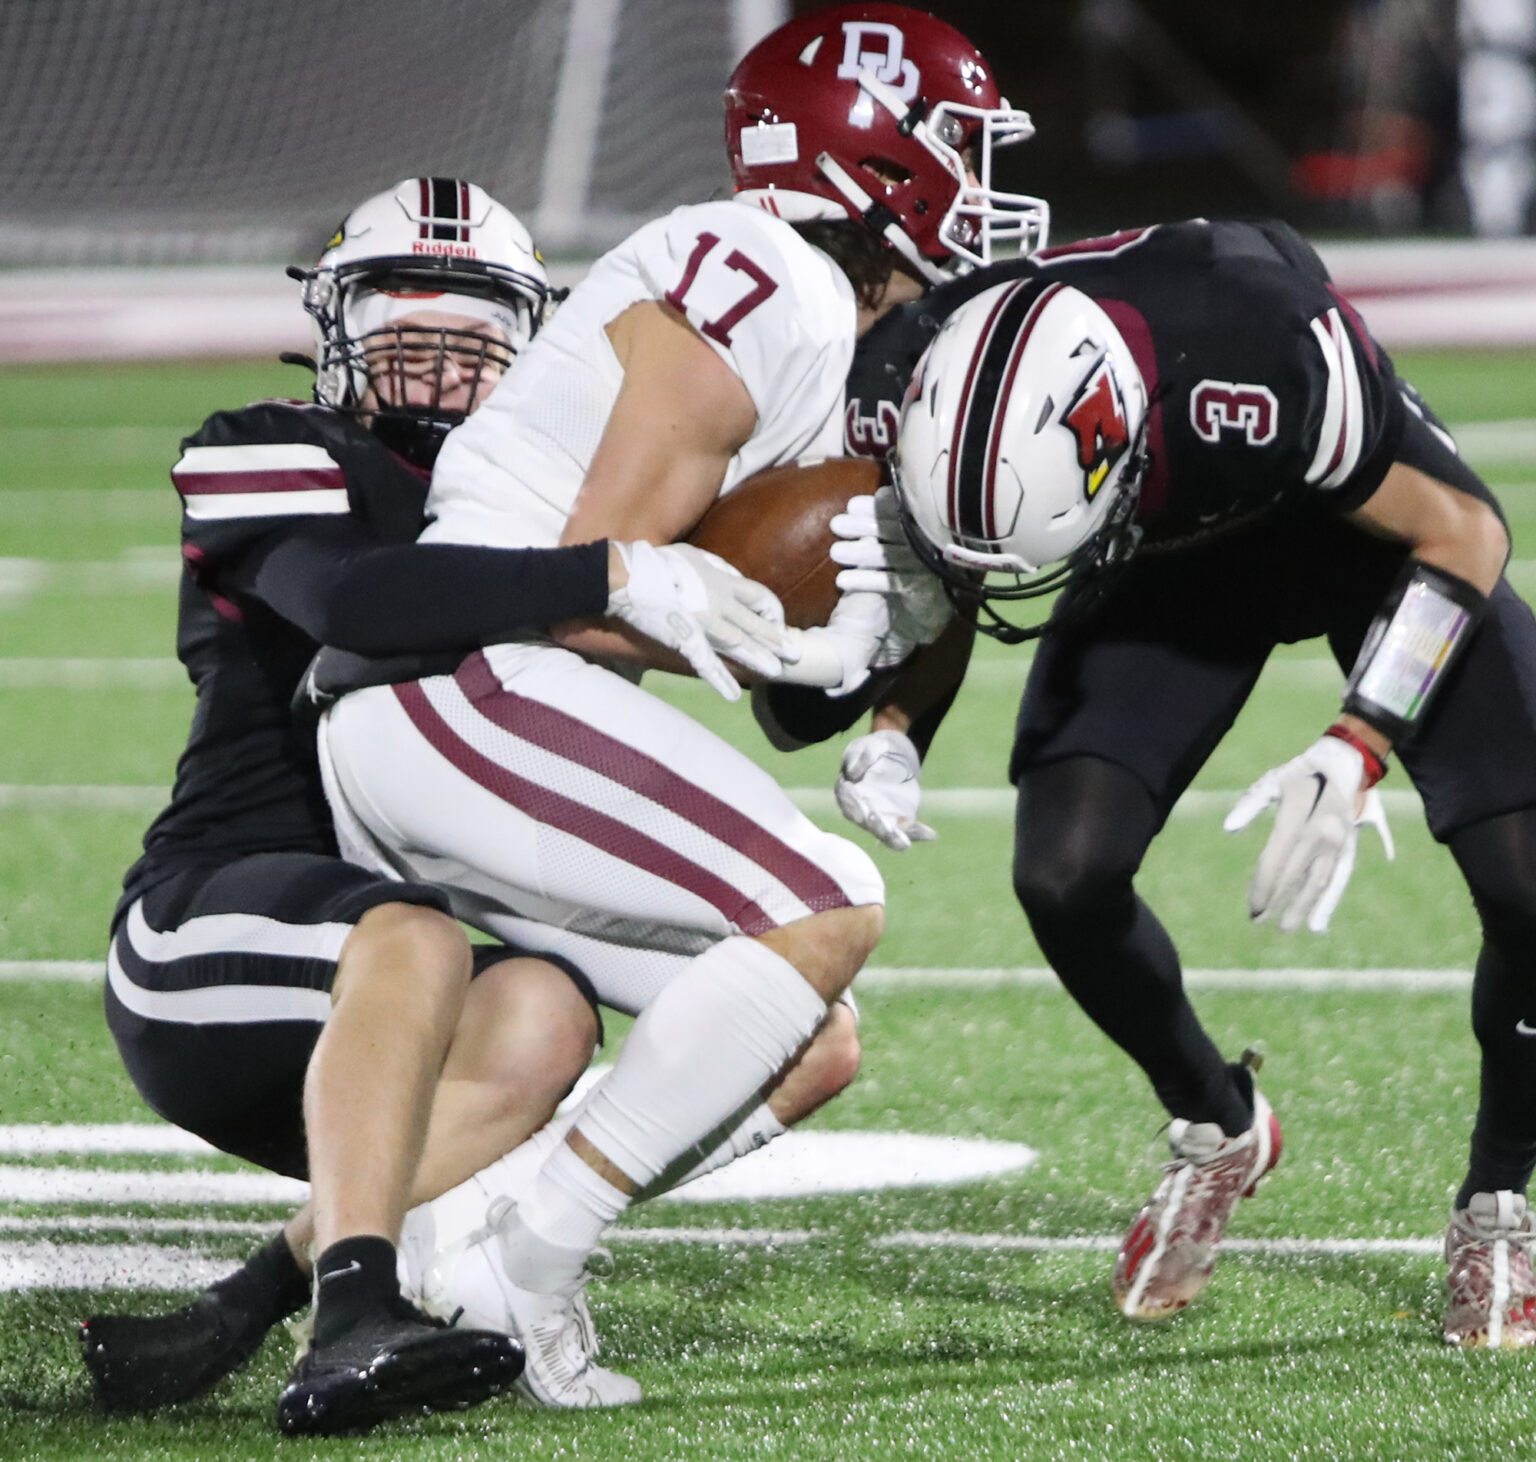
x=838 y=1053
x=1059 y=886
x=409 y=941
x=538 y=1029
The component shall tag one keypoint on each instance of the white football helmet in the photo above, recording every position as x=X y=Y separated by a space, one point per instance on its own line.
x=428 y=244
x=1021 y=450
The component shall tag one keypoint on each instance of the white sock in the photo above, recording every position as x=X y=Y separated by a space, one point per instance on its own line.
x=699 y=1053
x=571 y=1204
x=757 y=1129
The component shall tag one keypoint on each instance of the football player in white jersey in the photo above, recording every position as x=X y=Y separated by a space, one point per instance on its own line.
x=569 y=809
x=292 y=1009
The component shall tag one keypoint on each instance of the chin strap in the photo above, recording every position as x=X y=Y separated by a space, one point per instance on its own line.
x=879 y=219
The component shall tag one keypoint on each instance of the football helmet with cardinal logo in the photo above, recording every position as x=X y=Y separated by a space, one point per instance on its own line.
x=887 y=115
x=1021 y=450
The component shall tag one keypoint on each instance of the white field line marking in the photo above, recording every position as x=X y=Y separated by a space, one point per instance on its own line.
x=1035 y=1244
x=1402 y=981
x=1255 y=981
x=140 y=570
x=23 y=798
x=68 y=971
x=90 y=1223
x=41 y=1264
x=93 y=674
x=988 y=802
x=101 y=1185
x=25 y=1138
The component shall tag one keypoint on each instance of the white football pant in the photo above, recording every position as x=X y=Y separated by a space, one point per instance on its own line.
x=570 y=812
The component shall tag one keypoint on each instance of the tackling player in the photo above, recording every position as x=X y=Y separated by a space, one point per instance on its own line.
x=1189 y=433
x=289 y=1007
x=591 y=820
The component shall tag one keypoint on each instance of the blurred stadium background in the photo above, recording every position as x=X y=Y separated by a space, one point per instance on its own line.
x=162 y=155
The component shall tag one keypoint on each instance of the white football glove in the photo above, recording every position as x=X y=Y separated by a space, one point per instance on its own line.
x=1305 y=866
x=875 y=554
x=838 y=655
x=695 y=603
x=878 y=789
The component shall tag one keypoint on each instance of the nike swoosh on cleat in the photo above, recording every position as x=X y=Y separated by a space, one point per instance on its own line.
x=1522 y=1029
x=353 y=1266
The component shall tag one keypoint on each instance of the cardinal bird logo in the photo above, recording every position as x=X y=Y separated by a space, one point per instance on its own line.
x=1096 y=417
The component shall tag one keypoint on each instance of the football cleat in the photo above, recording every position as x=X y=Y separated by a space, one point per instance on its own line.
x=141 y=1362
x=1490 y=1289
x=392 y=1364
x=1169 y=1251
x=555 y=1327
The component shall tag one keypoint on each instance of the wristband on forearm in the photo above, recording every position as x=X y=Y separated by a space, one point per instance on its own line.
x=1375 y=767
x=1414 y=640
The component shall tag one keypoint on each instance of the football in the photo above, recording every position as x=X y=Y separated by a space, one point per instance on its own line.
x=775 y=528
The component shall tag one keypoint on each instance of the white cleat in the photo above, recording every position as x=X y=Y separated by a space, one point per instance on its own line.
x=1169 y=1251
x=554 y=1326
x=1490 y=1286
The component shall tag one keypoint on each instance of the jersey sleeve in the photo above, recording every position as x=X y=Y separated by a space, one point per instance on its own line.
x=244 y=475
x=291 y=508
x=1357 y=417
x=777 y=311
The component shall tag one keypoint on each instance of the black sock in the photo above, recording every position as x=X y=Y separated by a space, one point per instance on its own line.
x=269 y=1287
x=353 y=1278
x=1496 y=1167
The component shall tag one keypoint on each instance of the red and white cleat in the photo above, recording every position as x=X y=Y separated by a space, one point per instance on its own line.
x=1169 y=1251
x=1490 y=1290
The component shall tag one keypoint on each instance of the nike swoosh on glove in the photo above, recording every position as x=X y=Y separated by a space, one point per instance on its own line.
x=690 y=601
x=878 y=789
x=1306 y=864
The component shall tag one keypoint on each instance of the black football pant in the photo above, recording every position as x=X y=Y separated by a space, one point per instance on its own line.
x=1083 y=828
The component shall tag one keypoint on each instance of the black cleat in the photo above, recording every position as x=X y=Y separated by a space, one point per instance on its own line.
x=141 y=1362
x=392 y=1364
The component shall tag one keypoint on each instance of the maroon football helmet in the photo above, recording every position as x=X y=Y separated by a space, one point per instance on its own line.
x=884 y=114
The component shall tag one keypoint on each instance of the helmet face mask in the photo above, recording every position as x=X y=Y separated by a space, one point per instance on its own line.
x=1022 y=451
x=870 y=112
x=437 y=249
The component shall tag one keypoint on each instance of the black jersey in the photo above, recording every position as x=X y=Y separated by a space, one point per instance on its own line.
x=1267 y=390
x=298 y=530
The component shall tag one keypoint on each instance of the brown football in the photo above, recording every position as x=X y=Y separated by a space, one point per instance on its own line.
x=775 y=528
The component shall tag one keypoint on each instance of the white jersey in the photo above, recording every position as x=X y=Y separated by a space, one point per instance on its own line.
x=775 y=309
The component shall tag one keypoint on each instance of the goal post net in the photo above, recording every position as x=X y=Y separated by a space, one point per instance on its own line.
x=225 y=131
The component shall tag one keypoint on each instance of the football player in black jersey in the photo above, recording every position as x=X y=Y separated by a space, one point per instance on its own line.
x=287 y=1006
x=1190 y=436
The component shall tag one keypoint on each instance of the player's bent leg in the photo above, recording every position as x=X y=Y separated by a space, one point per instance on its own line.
x=399 y=987
x=574 y=799
x=1083 y=828
x=525 y=1034
x=825 y=1068
x=187 y=954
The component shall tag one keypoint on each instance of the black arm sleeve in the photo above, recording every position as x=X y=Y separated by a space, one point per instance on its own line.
x=343 y=587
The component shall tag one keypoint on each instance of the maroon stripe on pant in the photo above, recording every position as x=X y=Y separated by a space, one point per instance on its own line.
x=603 y=832
x=574 y=739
